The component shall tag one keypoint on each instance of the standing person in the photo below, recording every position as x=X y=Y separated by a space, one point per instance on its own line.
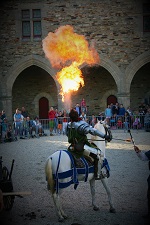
x=24 y=112
x=83 y=106
x=147 y=120
x=108 y=114
x=60 y=122
x=142 y=112
x=121 y=110
x=51 y=117
x=65 y=121
x=83 y=116
x=78 y=109
x=4 y=130
x=93 y=120
x=18 y=119
x=56 y=121
x=3 y=115
x=25 y=127
x=130 y=111
x=115 y=109
x=145 y=156
x=126 y=121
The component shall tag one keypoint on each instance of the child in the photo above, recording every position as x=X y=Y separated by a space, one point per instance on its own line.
x=119 y=123
x=60 y=122
x=136 y=123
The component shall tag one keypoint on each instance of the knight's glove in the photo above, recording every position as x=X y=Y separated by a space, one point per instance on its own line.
x=107 y=138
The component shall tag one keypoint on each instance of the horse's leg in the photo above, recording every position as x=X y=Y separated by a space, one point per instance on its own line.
x=92 y=187
x=60 y=212
x=60 y=207
x=105 y=184
x=56 y=198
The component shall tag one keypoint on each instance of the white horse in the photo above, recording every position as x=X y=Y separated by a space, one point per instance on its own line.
x=61 y=173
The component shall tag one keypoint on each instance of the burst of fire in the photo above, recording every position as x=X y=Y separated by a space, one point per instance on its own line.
x=67 y=51
x=70 y=78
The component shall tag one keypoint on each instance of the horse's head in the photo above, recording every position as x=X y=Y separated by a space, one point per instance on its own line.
x=102 y=126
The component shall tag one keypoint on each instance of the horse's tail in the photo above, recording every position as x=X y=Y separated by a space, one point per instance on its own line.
x=49 y=175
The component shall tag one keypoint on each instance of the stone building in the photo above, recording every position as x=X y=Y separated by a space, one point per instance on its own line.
x=120 y=29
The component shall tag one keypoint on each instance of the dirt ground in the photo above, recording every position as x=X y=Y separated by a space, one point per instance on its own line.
x=128 y=183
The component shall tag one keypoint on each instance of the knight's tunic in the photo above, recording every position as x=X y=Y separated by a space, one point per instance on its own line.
x=75 y=137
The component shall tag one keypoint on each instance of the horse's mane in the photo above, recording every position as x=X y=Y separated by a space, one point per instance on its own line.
x=98 y=127
x=98 y=124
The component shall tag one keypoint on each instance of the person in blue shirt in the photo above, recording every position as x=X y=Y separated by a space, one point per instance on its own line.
x=108 y=114
x=121 y=110
x=18 y=120
x=78 y=109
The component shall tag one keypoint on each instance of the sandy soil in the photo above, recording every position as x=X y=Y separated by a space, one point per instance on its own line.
x=127 y=181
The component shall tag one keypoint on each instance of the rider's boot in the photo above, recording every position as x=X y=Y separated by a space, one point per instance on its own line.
x=97 y=168
x=98 y=175
x=86 y=154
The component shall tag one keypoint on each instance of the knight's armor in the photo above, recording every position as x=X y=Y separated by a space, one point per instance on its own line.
x=84 y=128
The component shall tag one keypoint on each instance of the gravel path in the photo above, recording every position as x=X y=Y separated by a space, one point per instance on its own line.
x=127 y=181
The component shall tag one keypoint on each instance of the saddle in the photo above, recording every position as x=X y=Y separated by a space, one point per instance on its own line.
x=79 y=162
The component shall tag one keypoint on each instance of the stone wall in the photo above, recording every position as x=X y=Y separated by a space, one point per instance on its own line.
x=115 y=26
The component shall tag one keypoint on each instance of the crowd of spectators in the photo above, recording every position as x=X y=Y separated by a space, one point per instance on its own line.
x=22 y=126
x=116 y=116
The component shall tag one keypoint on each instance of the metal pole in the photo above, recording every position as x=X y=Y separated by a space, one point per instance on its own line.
x=131 y=137
x=12 y=165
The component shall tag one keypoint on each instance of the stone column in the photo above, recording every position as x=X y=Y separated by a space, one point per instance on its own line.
x=124 y=98
x=6 y=102
x=60 y=103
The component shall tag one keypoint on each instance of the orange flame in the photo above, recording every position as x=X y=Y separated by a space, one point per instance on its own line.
x=66 y=51
x=70 y=78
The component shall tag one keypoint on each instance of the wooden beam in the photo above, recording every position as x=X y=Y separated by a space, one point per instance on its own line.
x=16 y=193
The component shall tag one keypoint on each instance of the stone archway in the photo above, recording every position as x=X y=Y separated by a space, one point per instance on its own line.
x=16 y=69
x=134 y=66
x=114 y=70
x=22 y=64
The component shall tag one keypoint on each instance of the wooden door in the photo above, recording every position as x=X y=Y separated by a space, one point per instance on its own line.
x=43 y=108
x=111 y=99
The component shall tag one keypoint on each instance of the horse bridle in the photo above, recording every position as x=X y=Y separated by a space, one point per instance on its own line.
x=106 y=132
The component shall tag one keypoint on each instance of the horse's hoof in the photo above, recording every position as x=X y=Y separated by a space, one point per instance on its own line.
x=65 y=217
x=61 y=219
x=112 y=210
x=95 y=208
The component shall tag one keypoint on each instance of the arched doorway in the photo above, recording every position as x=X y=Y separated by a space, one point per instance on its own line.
x=43 y=108
x=111 y=99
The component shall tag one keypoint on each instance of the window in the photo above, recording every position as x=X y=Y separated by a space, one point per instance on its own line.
x=146 y=17
x=26 y=30
x=31 y=24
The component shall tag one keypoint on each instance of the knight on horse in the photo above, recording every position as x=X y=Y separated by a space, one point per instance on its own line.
x=77 y=131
